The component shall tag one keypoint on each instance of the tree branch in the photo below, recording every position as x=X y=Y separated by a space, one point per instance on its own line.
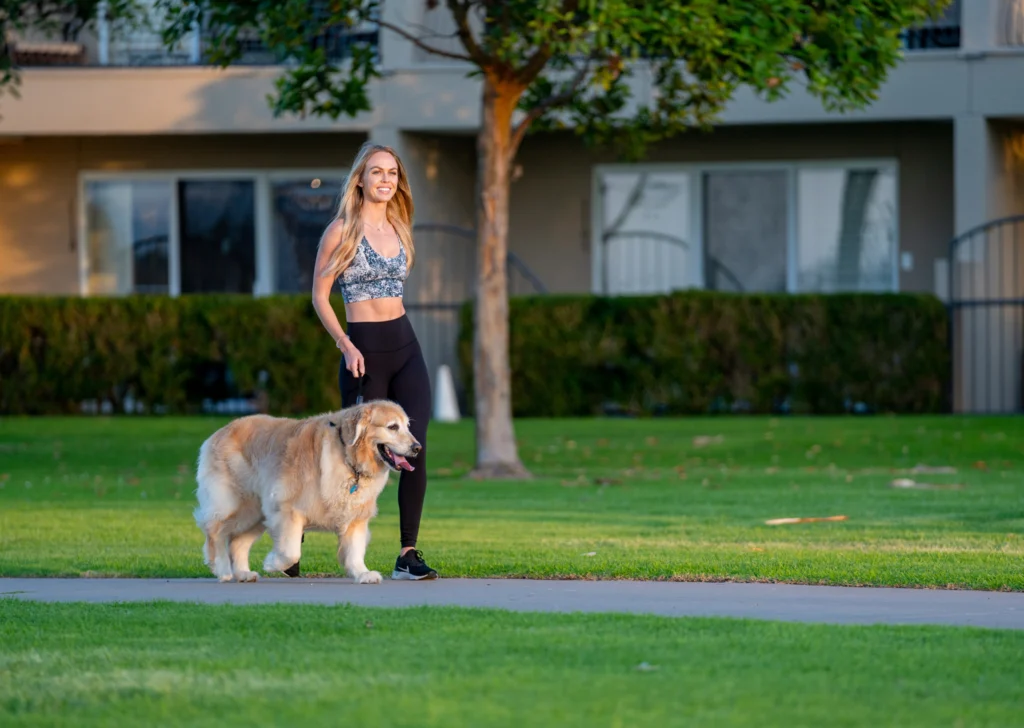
x=535 y=65
x=420 y=44
x=460 y=13
x=538 y=60
x=550 y=102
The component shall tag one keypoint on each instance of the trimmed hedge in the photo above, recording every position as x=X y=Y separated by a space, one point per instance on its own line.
x=692 y=352
x=166 y=353
x=699 y=352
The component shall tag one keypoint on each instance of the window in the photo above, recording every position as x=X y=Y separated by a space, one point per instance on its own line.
x=247 y=232
x=846 y=229
x=301 y=211
x=746 y=231
x=127 y=236
x=645 y=240
x=217 y=223
x=798 y=228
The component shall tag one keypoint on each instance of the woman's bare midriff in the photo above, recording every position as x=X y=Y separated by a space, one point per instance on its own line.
x=377 y=309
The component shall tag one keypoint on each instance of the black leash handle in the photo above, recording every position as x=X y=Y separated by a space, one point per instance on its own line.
x=359 y=394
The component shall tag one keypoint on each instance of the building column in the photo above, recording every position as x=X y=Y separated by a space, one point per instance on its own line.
x=978 y=22
x=989 y=265
x=396 y=51
x=975 y=160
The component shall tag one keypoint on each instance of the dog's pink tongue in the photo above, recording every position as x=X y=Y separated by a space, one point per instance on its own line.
x=402 y=462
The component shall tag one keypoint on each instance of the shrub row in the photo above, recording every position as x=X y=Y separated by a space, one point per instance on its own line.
x=701 y=352
x=164 y=354
x=692 y=352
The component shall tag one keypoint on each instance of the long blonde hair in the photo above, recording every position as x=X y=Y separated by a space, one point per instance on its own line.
x=350 y=207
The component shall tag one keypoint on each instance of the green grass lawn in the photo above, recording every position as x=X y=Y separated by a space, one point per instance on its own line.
x=660 y=498
x=176 y=664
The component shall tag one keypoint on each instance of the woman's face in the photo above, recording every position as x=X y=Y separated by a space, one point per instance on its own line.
x=380 y=177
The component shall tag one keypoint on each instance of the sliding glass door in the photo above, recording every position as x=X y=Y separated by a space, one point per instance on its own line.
x=804 y=227
x=247 y=233
x=127 y=236
x=645 y=232
x=746 y=230
x=217 y=247
x=846 y=229
x=301 y=209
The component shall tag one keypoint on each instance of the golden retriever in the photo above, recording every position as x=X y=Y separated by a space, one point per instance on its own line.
x=283 y=475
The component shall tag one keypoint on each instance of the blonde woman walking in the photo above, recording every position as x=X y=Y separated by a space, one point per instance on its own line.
x=368 y=249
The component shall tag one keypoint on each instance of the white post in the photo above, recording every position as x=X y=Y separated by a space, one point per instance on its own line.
x=195 y=50
x=103 y=33
x=174 y=243
x=265 y=283
x=446 y=404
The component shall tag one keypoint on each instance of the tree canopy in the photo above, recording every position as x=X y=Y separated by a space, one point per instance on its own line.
x=581 y=62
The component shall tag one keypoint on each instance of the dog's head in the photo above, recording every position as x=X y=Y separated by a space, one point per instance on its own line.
x=378 y=432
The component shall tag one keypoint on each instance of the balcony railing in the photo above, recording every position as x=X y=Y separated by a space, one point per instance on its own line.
x=144 y=49
x=940 y=34
x=119 y=44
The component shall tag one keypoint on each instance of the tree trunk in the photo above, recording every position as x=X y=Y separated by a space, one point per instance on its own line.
x=497 y=454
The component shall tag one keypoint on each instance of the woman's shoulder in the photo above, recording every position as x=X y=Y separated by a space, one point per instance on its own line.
x=333 y=233
x=335 y=226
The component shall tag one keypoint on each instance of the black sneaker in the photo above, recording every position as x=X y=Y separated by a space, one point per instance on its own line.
x=293 y=570
x=411 y=565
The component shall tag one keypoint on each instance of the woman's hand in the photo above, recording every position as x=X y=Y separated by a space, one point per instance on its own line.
x=353 y=358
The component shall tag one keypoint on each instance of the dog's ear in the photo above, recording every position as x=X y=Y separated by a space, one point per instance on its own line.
x=353 y=424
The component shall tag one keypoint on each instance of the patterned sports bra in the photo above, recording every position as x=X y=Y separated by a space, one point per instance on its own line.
x=371 y=275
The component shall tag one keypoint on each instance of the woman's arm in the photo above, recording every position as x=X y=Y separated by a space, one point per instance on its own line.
x=322 y=286
x=322 y=301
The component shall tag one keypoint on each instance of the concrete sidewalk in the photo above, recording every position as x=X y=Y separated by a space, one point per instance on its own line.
x=836 y=605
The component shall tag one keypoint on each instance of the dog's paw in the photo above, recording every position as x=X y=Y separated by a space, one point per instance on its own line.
x=224 y=578
x=369 y=577
x=245 y=576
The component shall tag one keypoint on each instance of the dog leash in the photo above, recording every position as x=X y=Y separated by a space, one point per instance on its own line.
x=359 y=400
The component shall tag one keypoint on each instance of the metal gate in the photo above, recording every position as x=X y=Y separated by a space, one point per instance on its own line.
x=986 y=318
x=443 y=279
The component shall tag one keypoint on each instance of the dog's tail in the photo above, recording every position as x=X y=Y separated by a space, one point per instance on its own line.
x=215 y=501
x=202 y=483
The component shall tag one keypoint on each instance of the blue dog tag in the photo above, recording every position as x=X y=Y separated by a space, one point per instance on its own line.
x=354 y=488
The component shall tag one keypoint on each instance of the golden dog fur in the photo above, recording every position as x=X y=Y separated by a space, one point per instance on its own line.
x=289 y=475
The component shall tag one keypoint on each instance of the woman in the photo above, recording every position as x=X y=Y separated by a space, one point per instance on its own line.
x=368 y=248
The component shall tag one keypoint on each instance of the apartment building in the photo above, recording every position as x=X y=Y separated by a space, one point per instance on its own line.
x=126 y=168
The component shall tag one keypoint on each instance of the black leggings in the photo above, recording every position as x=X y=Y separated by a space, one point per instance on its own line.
x=395 y=370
